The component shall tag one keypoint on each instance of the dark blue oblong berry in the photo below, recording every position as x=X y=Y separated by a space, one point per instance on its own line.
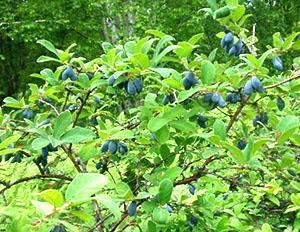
x=27 y=113
x=221 y=102
x=191 y=77
x=193 y=220
x=192 y=189
x=132 y=208
x=239 y=47
x=90 y=75
x=122 y=148
x=248 y=89
x=228 y=38
x=111 y=80
x=207 y=97
x=112 y=147
x=280 y=103
x=58 y=228
x=215 y=98
x=169 y=208
x=256 y=84
x=44 y=122
x=232 y=51
x=44 y=152
x=104 y=147
x=138 y=84
x=187 y=84
x=165 y=100
x=277 y=62
x=97 y=99
x=69 y=73
x=202 y=120
x=241 y=144
x=72 y=107
x=223 y=42
x=131 y=89
x=264 y=118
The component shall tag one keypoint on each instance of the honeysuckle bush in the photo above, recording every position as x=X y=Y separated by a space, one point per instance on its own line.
x=153 y=136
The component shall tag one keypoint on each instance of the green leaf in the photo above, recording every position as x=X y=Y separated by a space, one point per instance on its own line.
x=88 y=151
x=62 y=123
x=163 y=134
x=10 y=140
x=165 y=191
x=9 y=151
x=156 y=33
x=123 y=190
x=212 y=4
x=43 y=59
x=208 y=72
x=287 y=123
x=249 y=150
x=108 y=203
x=220 y=129
x=287 y=127
x=13 y=103
x=157 y=122
x=232 y=3
x=212 y=55
x=122 y=135
x=140 y=59
x=77 y=135
x=164 y=72
x=266 y=228
x=183 y=95
x=84 y=185
x=172 y=173
x=288 y=43
x=183 y=49
x=193 y=40
x=236 y=153
x=39 y=143
x=53 y=196
x=277 y=40
x=160 y=216
x=48 y=45
x=184 y=125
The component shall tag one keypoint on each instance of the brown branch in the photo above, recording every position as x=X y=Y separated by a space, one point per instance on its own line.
x=294 y=76
x=71 y=157
x=25 y=179
x=237 y=113
x=200 y=172
x=66 y=100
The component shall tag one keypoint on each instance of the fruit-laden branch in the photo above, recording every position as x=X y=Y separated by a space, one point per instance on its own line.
x=187 y=180
x=295 y=75
x=25 y=179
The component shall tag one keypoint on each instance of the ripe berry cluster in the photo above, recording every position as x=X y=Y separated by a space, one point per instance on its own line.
x=132 y=87
x=227 y=43
x=114 y=146
x=262 y=118
x=214 y=99
x=253 y=85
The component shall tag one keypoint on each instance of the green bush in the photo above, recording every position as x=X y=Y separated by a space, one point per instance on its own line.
x=152 y=136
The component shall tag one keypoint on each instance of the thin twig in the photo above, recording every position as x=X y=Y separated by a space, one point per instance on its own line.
x=25 y=179
x=48 y=104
